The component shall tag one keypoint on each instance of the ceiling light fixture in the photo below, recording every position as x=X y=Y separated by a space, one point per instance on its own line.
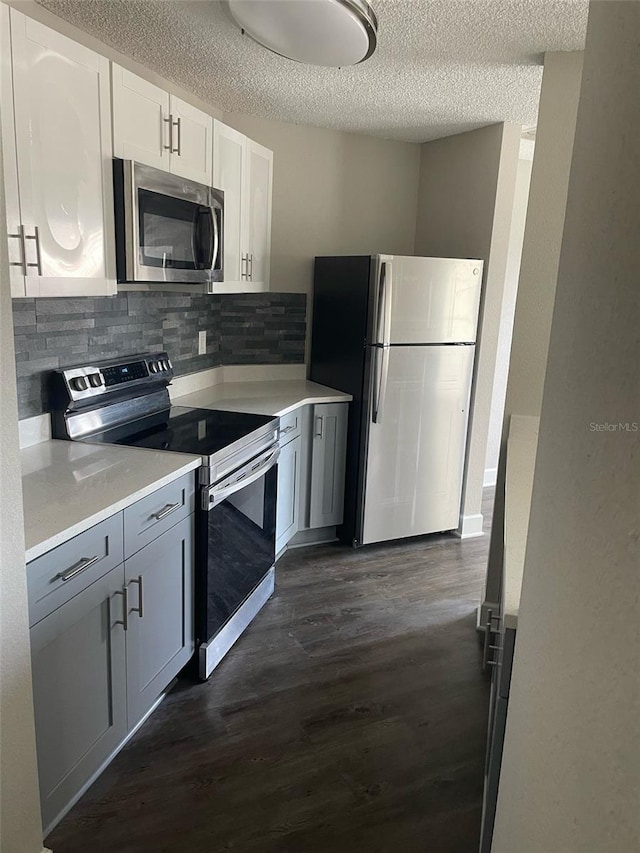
x=318 y=32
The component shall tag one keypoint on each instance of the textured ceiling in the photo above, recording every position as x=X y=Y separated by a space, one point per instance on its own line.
x=441 y=67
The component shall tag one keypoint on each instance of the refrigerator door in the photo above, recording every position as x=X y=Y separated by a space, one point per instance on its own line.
x=416 y=449
x=427 y=300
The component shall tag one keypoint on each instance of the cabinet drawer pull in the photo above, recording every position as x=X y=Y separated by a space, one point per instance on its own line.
x=138 y=609
x=288 y=429
x=82 y=564
x=124 y=592
x=169 y=121
x=165 y=511
x=36 y=237
x=178 y=149
x=23 y=250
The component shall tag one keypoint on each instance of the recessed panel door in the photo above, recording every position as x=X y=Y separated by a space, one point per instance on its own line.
x=228 y=176
x=192 y=136
x=63 y=134
x=141 y=129
x=260 y=177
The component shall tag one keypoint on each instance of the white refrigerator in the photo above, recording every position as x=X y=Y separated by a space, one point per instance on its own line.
x=399 y=333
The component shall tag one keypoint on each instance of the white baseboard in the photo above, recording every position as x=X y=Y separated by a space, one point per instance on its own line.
x=470 y=526
x=490 y=477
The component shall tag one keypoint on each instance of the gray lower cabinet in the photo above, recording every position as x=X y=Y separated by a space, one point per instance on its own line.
x=288 y=509
x=159 y=581
x=328 y=453
x=78 y=660
x=106 y=642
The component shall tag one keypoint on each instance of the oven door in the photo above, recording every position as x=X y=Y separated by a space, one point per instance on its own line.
x=172 y=228
x=235 y=553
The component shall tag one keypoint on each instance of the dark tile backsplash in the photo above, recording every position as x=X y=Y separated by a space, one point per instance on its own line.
x=261 y=328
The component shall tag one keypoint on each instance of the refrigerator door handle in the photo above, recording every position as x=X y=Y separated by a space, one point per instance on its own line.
x=383 y=320
x=382 y=360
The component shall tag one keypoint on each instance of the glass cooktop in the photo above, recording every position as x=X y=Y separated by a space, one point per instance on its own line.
x=185 y=430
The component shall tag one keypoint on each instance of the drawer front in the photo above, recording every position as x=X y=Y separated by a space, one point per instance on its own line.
x=290 y=426
x=65 y=571
x=147 y=519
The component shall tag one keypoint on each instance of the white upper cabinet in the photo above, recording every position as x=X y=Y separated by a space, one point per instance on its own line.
x=140 y=119
x=60 y=221
x=228 y=175
x=153 y=127
x=259 y=190
x=192 y=140
x=244 y=171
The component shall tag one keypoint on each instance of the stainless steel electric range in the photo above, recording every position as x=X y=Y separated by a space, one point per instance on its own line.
x=126 y=401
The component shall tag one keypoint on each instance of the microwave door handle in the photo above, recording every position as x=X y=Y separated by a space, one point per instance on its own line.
x=211 y=232
x=216 y=239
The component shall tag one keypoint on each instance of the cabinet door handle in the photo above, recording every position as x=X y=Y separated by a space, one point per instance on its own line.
x=165 y=511
x=244 y=263
x=178 y=125
x=139 y=608
x=287 y=429
x=487 y=641
x=35 y=236
x=124 y=592
x=319 y=429
x=250 y=266
x=23 y=250
x=169 y=121
x=82 y=564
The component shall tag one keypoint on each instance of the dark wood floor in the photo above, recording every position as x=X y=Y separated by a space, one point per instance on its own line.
x=350 y=717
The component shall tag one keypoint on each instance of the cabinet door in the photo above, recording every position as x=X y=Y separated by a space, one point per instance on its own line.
x=63 y=140
x=160 y=640
x=12 y=198
x=288 y=507
x=328 y=452
x=191 y=154
x=79 y=690
x=228 y=176
x=258 y=213
x=140 y=119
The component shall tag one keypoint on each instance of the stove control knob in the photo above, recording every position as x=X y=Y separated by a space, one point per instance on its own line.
x=95 y=380
x=165 y=364
x=153 y=366
x=79 y=383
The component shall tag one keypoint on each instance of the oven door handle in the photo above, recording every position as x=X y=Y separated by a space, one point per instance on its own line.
x=244 y=476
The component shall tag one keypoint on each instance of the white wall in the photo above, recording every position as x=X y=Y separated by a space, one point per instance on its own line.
x=334 y=193
x=538 y=270
x=465 y=208
x=570 y=778
x=516 y=238
x=20 y=827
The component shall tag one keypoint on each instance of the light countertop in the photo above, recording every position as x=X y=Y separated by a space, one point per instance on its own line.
x=69 y=486
x=521 y=460
x=271 y=397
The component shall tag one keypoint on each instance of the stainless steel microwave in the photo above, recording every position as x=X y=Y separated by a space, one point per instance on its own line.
x=169 y=231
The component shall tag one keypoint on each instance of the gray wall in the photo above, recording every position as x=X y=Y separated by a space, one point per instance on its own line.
x=20 y=827
x=467 y=189
x=571 y=768
x=334 y=193
x=261 y=328
x=539 y=268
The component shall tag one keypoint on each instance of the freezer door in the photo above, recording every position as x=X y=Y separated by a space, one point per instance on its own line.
x=416 y=450
x=431 y=300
